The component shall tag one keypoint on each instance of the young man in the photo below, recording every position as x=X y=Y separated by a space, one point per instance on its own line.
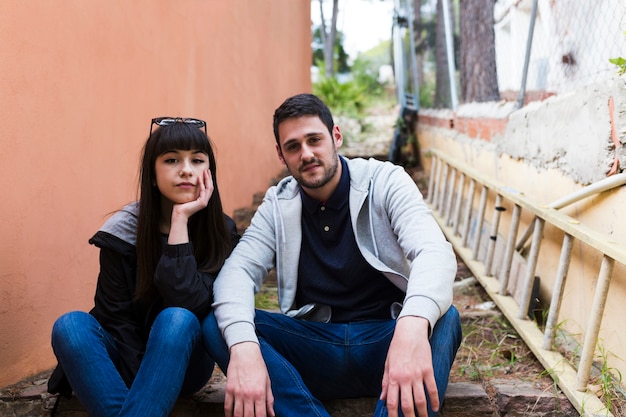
x=364 y=284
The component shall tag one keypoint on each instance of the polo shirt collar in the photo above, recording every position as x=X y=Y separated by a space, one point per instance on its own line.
x=338 y=198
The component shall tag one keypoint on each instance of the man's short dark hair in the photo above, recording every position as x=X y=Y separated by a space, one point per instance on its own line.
x=302 y=105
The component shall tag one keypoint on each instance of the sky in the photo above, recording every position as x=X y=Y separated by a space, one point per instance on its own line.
x=364 y=23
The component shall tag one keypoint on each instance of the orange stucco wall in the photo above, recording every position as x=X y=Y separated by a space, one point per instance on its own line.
x=79 y=83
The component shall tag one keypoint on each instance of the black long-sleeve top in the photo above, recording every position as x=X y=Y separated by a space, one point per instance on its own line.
x=127 y=320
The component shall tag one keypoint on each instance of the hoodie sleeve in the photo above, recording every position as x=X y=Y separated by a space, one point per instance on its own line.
x=432 y=262
x=243 y=273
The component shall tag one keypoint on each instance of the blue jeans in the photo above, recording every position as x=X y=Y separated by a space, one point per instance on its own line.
x=310 y=362
x=174 y=363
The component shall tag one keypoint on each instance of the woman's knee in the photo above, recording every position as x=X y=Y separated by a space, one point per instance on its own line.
x=176 y=327
x=71 y=322
x=178 y=318
x=71 y=328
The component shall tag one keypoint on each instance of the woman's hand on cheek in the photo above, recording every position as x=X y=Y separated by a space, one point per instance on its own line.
x=205 y=190
x=207 y=177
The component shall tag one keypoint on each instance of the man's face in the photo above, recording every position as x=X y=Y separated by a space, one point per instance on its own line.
x=310 y=153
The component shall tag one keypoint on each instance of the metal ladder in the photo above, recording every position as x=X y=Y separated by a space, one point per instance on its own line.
x=452 y=190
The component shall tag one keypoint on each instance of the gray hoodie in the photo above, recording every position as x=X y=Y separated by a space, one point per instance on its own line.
x=394 y=230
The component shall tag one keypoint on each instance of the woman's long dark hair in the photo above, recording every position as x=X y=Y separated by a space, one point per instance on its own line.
x=207 y=227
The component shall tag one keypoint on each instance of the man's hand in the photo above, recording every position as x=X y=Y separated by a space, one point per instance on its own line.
x=248 y=389
x=408 y=369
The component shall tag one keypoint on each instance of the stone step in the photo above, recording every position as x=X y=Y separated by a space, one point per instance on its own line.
x=463 y=399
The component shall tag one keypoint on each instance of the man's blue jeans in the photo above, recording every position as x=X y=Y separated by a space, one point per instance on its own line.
x=310 y=362
x=174 y=362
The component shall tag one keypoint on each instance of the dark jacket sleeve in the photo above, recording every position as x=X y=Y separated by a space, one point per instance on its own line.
x=128 y=320
x=116 y=311
x=178 y=280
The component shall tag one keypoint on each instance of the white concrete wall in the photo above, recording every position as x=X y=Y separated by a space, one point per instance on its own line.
x=549 y=150
x=570 y=132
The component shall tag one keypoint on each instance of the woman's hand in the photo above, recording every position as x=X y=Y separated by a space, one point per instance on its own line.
x=182 y=212
x=205 y=190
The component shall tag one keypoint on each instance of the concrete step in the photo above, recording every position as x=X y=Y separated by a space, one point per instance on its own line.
x=509 y=398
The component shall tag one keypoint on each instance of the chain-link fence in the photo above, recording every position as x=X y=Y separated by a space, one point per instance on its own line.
x=572 y=43
x=546 y=47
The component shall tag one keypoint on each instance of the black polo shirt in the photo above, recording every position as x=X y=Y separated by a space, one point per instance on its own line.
x=332 y=270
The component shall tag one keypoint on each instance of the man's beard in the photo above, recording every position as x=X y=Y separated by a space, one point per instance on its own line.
x=328 y=173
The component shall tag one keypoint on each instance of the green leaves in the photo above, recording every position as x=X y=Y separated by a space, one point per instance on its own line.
x=621 y=64
x=344 y=98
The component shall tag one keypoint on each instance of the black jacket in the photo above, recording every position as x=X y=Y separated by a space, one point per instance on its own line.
x=177 y=279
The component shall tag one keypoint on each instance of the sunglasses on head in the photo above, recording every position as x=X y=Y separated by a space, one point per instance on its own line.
x=166 y=121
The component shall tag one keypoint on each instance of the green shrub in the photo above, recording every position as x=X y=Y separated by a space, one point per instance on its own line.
x=347 y=98
x=365 y=74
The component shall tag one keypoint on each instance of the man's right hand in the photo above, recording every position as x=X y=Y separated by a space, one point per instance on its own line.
x=248 y=389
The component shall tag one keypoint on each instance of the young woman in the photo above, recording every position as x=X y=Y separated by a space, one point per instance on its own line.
x=139 y=348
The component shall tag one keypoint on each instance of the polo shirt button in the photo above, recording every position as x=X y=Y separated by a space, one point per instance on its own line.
x=323 y=208
x=326 y=228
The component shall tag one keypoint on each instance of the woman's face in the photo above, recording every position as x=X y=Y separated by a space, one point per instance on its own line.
x=178 y=174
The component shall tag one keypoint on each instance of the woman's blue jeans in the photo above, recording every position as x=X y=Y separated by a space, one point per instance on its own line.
x=174 y=363
x=310 y=362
